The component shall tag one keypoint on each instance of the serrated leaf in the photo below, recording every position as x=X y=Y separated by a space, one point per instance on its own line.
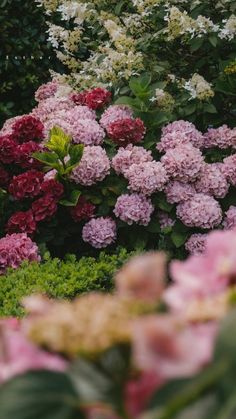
x=49 y=159
x=72 y=200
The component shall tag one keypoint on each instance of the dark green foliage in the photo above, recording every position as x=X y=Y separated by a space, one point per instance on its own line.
x=58 y=278
x=22 y=36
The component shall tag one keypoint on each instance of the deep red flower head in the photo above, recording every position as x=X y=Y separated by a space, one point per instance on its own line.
x=53 y=187
x=23 y=155
x=7 y=149
x=21 y=222
x=97 y=98
x=79 y=98
x=27 y=128
x=84 y=210
x=26 y=185
x=126 y=131
x=44 y=208
x=4 y=177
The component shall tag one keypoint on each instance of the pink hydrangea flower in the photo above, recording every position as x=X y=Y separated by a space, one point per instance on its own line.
x=229 y=167
x=46 y=90
x=201 y=211
x=178 y=133
x=222 y=137
x=50 y=175
x=115 y=113
x=177 y=191
x=99 y=232
x=94 y=166
x=212 y=181
x=147 y=177
x=183 y=163
x=165 y=220
x=129 y=155
x=16 y=248
x=48 y=106
x=196 y=244
x=18 y=355
x=230 y=218
x=134 y=208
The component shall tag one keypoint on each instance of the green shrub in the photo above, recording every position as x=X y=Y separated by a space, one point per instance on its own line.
x=58 y=278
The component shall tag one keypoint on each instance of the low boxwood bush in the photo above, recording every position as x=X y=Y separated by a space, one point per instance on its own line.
x=58 y=279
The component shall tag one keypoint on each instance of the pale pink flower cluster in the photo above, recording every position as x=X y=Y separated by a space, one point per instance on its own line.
x=94 y=166
x=99 y=232
x=230 y=218
x=46 y=90
x=196 y=244
x=147 y=177
x=183 y=163
x=212 y=181
x=134 y=208
x=229 y=169
x=177 y=192
x=47 y=107
x=165 y=220
x=114 y=113
x=16 y=248
x=222 y=137
x=179 y=133
x=129 y=155
x=201 y=211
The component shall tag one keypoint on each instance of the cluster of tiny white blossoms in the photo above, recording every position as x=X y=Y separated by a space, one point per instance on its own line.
x=198 y=88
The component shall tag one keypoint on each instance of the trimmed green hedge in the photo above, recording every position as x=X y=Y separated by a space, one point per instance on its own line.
x=22 y=36
x=58 y=278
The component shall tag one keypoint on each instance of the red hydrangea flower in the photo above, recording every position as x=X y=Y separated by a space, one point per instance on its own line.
x=53 y=187
x=27 y=128
x=26 y=185
x=126 y=131
x=44 y=208
x=84 y=210
x=79 y=98
x=7 y=149
x=21 y=222
x=4 y=177
x=97 y=98
x=24 y=155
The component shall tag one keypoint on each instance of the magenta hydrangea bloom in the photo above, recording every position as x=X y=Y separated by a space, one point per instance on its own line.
x=183 y=163
x=178 y=133
x=201 y=211
x=134 y=208
x=99 y=232
x=115 y=113
x=94 y=166
x=222 y=137
x=230 y=218
x=196 y=244
x=212 y=181
x=177 y=192
x=229 y=169
x=147 y=177
x=129 y=155
x=165 y=220
x=16 y=248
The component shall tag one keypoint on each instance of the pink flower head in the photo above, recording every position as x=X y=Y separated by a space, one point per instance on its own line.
x=87 y=131
x=115 y=113
x=129 y=155
x=229 y=169
x=7 y=149
x=212 y=181
x=170 y=348
x=27 y=128
x=97 y=98
x=196 y=244
x=16 y=248
x=201 y=211
x=46 y=107
x=21 y=222
x=26 y=185
x=83 y=210
x=230 y=218
x=183 y=163
x=147 y=177
x=18 y=355
x=179 y=133
x=165 y=220
x=143 y=277
x=46 y=90
x=126 y=131
x=94 y=166
x=99 y=232
x=177 y=192
x=222 y=137
x=134 y=208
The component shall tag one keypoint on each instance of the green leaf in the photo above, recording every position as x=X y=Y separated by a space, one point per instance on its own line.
x=59 y=142
x=213 y=39
x=72 y=200
x=179 y=238
x=37 y=395
x=196 y=44
x=76 y=153
x=49 y=159
x=209 y=108
x=226 y=342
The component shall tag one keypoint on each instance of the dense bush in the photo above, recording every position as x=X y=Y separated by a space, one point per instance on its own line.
x=58 y=278
x=25 y=56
